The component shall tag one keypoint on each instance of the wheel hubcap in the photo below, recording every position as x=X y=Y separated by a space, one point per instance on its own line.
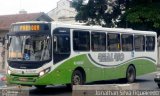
x=76 y=80
x=130 y=74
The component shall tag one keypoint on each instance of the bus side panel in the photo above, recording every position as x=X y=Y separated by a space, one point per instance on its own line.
x=63 y=73
x=142 y=66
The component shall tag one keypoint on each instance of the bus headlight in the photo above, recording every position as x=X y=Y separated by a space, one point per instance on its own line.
x=41 y=73
x=44 y=71
x=9 y=71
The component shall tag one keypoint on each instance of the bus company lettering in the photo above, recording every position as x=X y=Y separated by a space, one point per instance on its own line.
x=110 y=57
x=78 y=62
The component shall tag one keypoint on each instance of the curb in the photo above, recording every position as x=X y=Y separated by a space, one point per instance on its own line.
x=92 y=90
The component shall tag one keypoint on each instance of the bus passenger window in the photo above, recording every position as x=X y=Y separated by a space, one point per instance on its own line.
x=127 y=42
x=81 y=41
x=113 y=41
x=98 y=41
x=139 y=43
x=150 y=43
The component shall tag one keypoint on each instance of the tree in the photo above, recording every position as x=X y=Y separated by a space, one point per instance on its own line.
x=98 y=12
x=142 y=15
x=136 y=14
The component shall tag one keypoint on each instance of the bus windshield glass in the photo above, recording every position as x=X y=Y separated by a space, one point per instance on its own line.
x=29 y=48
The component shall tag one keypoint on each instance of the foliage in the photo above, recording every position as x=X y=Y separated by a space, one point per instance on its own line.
x=144 y=15
x=136 y=14
x=98 y=12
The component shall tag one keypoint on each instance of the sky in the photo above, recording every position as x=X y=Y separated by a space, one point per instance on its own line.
x=31 y=6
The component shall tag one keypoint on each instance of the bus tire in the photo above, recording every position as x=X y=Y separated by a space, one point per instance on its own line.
x=130 y=74
x=69 y=86
x=158 y=85
x=40 y=86
x=77 y=78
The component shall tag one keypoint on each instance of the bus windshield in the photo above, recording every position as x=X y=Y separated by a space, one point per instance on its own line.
x=29 y=48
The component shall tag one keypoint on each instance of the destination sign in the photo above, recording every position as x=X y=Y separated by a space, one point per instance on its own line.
x=29 y=27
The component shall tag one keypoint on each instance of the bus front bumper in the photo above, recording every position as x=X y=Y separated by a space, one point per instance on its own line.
x=23 y=80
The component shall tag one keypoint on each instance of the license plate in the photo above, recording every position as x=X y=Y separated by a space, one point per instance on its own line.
x=23 y=79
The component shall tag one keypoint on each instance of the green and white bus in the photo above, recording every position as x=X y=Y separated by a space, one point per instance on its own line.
x=42 y=53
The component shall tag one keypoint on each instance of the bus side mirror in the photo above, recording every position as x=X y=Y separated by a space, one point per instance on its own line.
x=4 y=43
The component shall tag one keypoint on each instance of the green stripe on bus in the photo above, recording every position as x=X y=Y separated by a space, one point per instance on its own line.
x=63 y=73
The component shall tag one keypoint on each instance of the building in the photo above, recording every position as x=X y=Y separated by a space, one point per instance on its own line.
x=64 y=12
x=7 y=20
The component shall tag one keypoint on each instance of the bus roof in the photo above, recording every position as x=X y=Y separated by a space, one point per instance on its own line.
x=80 y=26
x=101 y=29
x=31 y=22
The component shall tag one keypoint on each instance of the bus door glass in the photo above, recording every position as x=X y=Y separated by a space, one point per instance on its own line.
x=61 y=44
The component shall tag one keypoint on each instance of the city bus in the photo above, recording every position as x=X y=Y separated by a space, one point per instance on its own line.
x=49 y=53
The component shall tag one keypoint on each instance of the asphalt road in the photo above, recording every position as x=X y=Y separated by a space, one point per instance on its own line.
x=145 y=81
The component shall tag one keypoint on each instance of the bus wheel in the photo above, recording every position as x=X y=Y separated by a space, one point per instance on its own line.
x=40 y=86
x=77 y=78
x=131 y=74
